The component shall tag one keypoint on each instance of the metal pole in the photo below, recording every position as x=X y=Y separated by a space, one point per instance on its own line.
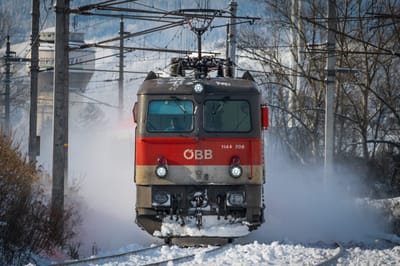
x=294 y=63
x=60 y=125
x=232 y=35
x=330 y=90
x=300 y=44
x=121 y=69
x=199 y=33
x=7 y=88
x=33 y=147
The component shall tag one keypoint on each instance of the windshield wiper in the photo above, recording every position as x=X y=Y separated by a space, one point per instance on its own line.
x=177 y=99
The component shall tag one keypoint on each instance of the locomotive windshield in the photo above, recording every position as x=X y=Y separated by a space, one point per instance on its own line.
x=170 y=116
x=227 y=116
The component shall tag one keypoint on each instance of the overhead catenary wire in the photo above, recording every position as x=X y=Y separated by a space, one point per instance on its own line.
x=389 y=51
x=152 y=7
x=107 y=5
x=130 y=35
x=95 y=100
x=50 y=102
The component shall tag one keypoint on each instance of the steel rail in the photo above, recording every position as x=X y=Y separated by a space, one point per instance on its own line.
x=332 y=260
x=108 y=256
x=186 y=257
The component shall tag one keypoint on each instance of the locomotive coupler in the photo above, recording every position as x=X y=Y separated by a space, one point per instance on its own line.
x=182 y=220
x=199 y=218
x=199 y=201
x=219 y=203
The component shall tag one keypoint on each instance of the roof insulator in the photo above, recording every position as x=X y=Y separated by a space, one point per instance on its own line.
x=151 y=75
x=247 y=76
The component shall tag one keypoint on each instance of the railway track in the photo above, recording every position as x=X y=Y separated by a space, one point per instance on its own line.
x=333 y=259
x=108 y=258
x=179 y=258
x=186 y=257
x=173 y=255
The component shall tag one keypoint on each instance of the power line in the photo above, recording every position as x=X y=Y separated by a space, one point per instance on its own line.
x=152 y=7
x=95 y=100
x=111 y=71
x=354 y=38
x=131 y=49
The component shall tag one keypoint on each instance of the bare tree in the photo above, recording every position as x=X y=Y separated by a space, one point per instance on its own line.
x=367 y=97
x=25 y=225
x=298 y=104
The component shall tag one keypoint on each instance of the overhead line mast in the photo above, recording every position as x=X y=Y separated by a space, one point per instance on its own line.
x=231 y=38
x=60 y=124
x=121 y=68
x=34 y=147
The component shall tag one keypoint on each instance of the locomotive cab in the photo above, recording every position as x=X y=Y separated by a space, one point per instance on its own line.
x=199 y=167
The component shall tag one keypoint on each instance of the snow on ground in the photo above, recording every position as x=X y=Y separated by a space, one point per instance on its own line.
x=274 y=253
x=263 y=254
x=371 y=255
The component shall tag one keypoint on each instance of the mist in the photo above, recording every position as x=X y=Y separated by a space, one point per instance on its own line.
x=303 y=207
x=101 y=167
x=300 y=205
x=102 y=157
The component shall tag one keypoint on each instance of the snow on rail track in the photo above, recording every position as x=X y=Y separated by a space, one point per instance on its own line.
x=235 y=254
x=274 y=253
x=333 y=259
x=108 y=257
x=375 y=251
x=187 y=257
x=148 y=256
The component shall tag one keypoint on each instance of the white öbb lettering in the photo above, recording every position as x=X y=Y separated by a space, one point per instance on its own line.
x=190 y=154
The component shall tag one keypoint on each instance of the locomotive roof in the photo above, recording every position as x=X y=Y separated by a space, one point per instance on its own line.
x=184 y=85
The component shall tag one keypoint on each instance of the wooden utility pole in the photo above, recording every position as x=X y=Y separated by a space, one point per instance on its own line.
x=330 y=91
x=121 y=69
x=33 y=149
x=60 y=124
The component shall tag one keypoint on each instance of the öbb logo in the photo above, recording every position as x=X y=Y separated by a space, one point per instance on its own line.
x=190 y=154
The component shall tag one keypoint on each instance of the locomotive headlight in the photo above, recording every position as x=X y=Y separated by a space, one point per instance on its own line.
x=235 y=171
x=198 y=88
x=161 y=171
x=236 y=199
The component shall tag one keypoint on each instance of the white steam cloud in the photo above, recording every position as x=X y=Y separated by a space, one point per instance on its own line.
x=101 y=162
x=301 y=207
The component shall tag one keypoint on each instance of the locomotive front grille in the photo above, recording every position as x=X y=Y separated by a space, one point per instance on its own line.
x=211 y=200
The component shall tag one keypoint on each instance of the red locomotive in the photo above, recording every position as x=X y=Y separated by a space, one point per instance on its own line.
x=199 y=169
